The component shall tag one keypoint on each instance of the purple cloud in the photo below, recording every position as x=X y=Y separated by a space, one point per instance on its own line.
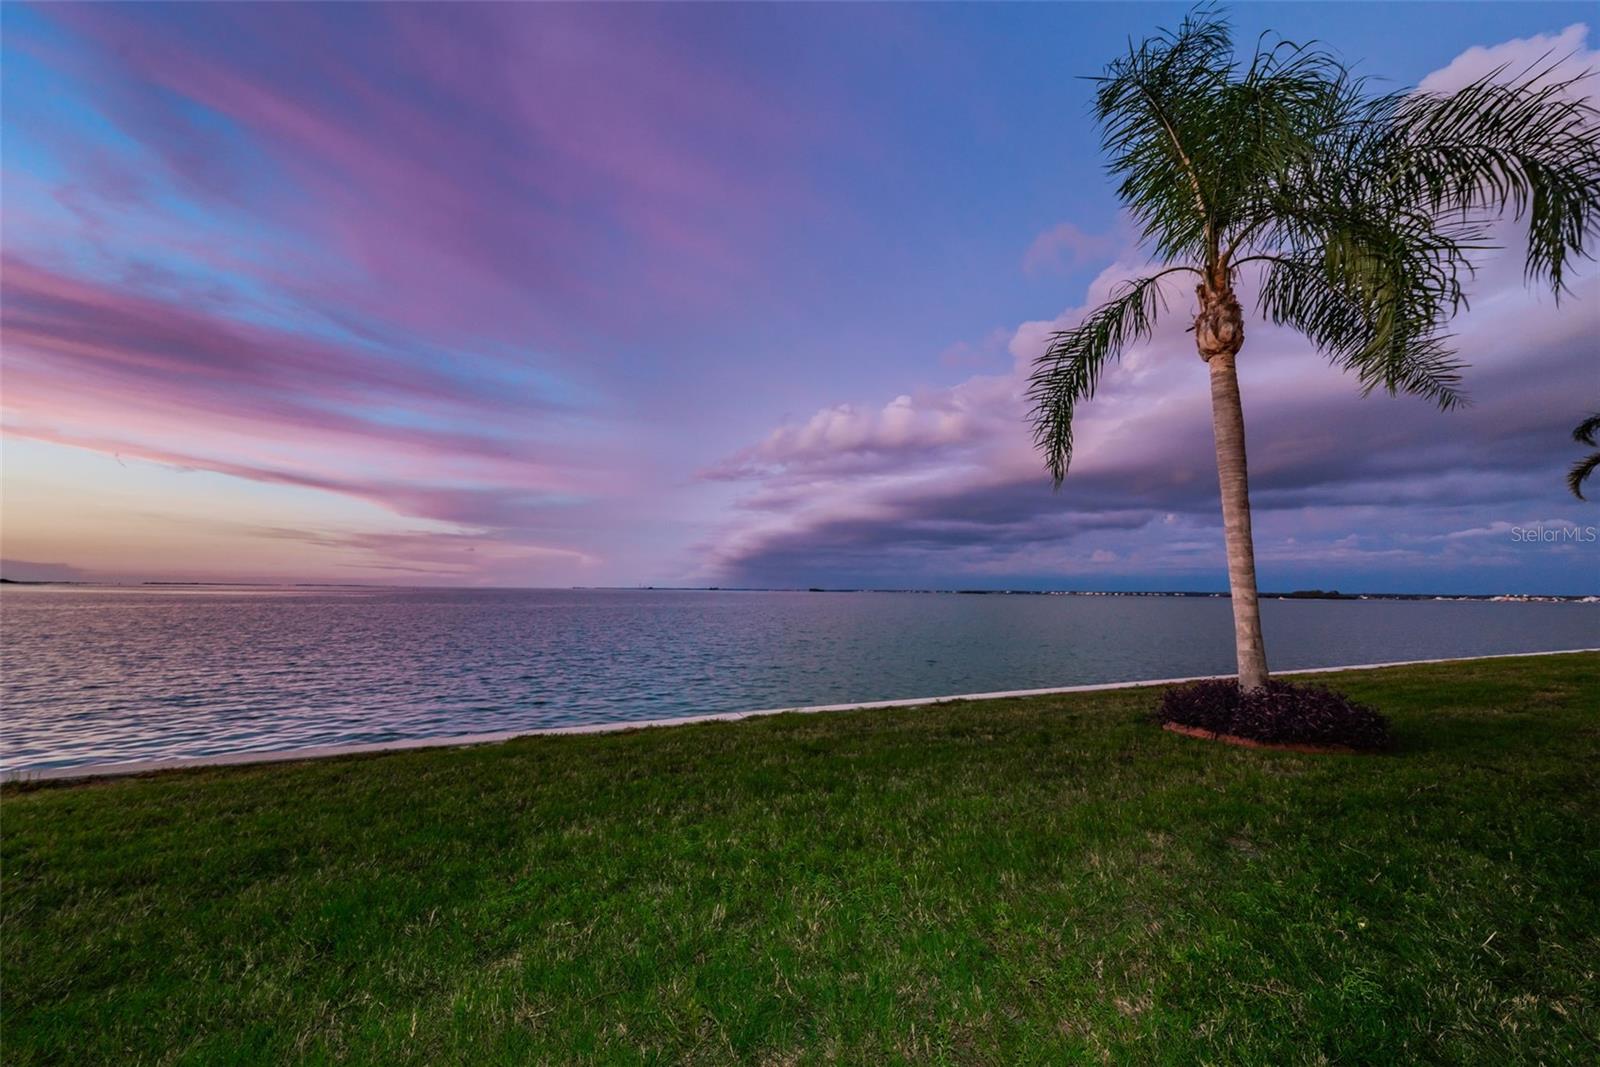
x=948 y=484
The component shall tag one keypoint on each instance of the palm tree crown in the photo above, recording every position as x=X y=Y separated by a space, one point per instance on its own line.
x=1359 y=209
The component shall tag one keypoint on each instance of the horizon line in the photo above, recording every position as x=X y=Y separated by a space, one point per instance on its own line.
x=1300 y=594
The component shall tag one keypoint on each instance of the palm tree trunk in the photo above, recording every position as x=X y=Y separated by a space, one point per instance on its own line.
x=1219 y=334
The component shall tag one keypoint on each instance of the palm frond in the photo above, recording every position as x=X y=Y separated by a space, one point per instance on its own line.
x=1529 y=144
x=1371 y=235
x=1373 y=292
x=1586 y=432
x=1069 y=369
x=1580 y=473
x=1155 y=127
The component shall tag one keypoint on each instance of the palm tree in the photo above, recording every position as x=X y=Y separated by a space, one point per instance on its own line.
x=1354 y=213
x=1586 y=432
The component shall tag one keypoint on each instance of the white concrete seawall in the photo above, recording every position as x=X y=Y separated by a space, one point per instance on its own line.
x=105 y=770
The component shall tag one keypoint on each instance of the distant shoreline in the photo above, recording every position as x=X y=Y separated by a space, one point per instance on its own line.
x=1299 y=594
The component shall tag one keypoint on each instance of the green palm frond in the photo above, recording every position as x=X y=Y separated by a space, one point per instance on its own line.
x=1374 y=295
x=1150 y=104
x=1586 y=432
x=1070 y=367
x=1528 y=145
x=1580 y=473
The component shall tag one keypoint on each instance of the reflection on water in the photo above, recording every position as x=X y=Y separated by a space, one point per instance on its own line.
x=94 y=675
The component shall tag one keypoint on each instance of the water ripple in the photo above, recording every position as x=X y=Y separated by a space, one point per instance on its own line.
x=104 y=675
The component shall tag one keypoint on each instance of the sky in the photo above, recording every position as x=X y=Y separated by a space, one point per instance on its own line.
x=547 y=295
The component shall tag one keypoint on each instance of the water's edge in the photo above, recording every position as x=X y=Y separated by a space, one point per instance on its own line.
x=111 y=770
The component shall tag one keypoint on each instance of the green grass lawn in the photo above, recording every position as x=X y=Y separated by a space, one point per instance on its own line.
x=1035 y=880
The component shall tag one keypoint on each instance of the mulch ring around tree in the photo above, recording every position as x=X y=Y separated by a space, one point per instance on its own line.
x=1248 y=742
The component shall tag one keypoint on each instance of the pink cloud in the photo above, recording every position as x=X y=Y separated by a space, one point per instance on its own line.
x=80 y=352
x=96 y=366
x=1565 y=55
x=531 y=166
x=1064 y=246
x=847 y=437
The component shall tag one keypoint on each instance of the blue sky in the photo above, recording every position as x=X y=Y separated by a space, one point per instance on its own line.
x=541 y=295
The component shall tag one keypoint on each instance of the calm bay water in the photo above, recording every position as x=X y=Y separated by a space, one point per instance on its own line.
x=102 y=675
